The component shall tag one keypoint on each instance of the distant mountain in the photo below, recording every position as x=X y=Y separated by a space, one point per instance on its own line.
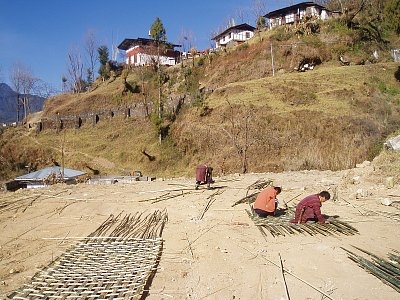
x=8 y=106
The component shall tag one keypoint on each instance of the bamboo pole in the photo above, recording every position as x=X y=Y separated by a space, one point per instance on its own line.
x=283 y=278
x=292 y=274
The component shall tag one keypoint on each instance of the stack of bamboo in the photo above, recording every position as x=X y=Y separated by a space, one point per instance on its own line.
x=388 y=271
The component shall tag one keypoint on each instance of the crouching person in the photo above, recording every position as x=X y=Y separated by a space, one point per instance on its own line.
x=309 y=209
x=204 y=176
x=266 y=202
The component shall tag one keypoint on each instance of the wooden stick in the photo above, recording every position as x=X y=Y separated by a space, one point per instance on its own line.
x=190 y=247
x=295 y=276
x=89 y=238
x=283 y=278
x=292 y=199
x=302 y=280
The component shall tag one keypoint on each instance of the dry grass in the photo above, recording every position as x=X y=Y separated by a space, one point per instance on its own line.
x=330 y=118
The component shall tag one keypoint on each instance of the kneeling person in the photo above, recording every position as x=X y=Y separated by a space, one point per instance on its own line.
x=266 y=202
x=310 y=208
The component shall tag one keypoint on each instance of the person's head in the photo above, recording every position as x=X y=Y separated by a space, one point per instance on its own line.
x=278 y=189
x=324 y=195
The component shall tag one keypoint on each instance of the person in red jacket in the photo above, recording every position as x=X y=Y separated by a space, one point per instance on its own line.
x=204 y=176
x=310 y=208
x=266 y=202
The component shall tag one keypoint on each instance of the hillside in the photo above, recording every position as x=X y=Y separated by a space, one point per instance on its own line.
x=228 y=110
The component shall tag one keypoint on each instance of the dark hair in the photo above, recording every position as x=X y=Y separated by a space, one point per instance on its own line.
x=278 y=189
x=325 y=194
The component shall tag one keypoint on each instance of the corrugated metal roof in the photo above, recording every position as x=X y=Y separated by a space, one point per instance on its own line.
x=46 y=172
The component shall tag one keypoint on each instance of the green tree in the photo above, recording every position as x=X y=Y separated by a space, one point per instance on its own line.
x=104 y=72
x=392 y=15
x=158 y=33
x=260 y=23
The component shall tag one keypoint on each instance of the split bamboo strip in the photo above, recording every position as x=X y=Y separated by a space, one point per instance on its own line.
x=258 y=185
x=283 y=278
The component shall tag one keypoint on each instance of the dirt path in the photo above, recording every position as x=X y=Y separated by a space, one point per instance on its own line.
x=211 y=249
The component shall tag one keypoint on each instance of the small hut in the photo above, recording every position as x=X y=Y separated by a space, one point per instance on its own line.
x=45 y=177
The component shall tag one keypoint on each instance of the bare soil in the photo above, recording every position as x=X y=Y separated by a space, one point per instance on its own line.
x=216 y=253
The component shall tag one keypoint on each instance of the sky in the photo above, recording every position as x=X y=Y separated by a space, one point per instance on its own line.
x=40 y=33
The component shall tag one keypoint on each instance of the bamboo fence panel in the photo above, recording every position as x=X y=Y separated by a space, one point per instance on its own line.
x=114 y=262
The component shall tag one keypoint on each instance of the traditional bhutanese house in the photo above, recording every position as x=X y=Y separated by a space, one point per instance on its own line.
x=45 y=177
x=142 y=52
x=295 y=13
x=234 y=35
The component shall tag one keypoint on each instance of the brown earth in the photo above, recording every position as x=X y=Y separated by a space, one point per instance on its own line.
x=221 y=255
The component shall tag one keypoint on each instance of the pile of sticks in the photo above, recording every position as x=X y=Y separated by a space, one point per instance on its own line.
x=116 y=261
x=132 y=226
x=388 y=271
x=280 y=225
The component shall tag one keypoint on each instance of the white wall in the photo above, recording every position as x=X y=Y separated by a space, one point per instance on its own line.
x=235 y=35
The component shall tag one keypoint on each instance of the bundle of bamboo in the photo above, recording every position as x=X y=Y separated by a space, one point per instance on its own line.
x=388 y=271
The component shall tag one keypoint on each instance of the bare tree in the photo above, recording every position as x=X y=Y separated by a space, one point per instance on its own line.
x=259 y=8
x=238 y=130
x=241 y=15
x=43 y=89
x=91 y=46
x=186 y=39
x=75 y=70
x=23 y=82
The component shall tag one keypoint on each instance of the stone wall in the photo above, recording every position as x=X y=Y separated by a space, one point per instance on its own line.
x=60 y=122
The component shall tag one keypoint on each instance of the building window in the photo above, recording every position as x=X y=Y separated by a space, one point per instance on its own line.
x=289 y=18
x=247 y=35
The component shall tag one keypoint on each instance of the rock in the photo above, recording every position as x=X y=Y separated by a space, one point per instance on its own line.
x=389 y=182
x=364 y=164
x=355 y=180
x=360 y=194
x=393 y=144
x=386 y=202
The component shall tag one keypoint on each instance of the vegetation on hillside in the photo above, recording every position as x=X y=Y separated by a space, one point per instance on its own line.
x=245 y=109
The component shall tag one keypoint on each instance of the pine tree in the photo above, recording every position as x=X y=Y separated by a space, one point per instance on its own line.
x=158 y=33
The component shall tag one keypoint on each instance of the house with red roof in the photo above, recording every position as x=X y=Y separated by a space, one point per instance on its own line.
x=142 y=52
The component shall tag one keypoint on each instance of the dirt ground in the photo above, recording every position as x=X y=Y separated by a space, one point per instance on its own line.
x=216 y=253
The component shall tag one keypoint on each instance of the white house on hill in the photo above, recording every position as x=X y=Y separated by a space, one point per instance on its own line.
x=234 y=35
x=142 y=51
x=296 y=13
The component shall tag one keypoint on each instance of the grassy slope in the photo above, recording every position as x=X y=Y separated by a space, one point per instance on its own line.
x=329 y=118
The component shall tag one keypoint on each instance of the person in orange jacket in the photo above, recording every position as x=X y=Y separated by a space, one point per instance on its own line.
x=266 y=202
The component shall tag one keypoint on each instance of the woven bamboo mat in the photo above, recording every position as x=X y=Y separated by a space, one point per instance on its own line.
x=103 y=266
x=280 y=225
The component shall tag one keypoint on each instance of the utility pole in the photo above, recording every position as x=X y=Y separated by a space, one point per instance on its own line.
x=272 y=61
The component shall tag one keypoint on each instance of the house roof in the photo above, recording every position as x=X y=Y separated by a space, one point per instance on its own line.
x=128 y=43
x=46 y=172
x=282 y=11
x=243 y=26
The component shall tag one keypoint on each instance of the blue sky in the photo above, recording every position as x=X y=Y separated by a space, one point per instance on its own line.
x=39 y=33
